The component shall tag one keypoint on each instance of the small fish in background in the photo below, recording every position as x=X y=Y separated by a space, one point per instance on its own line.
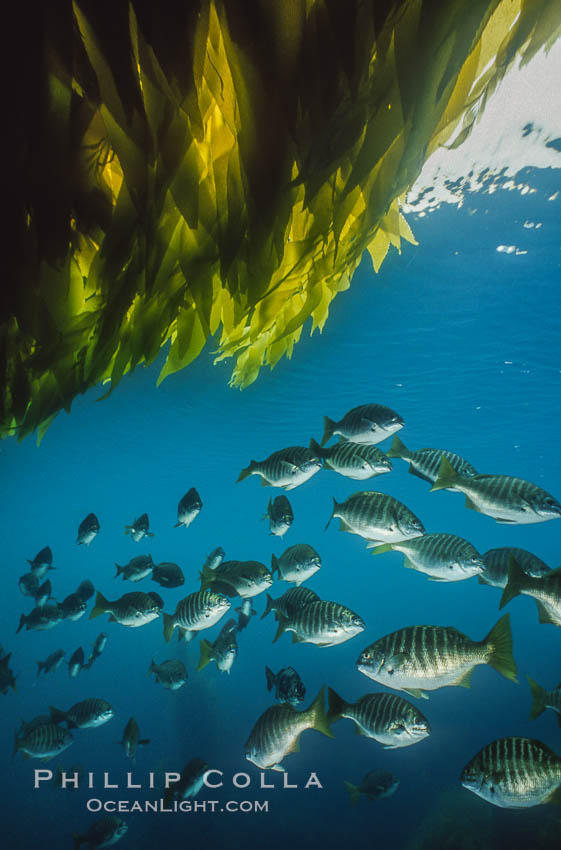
x=215 y=558
x=297 y=564
x=545 y=590
x=423 y=658
x=42 y=739
x=375 y=785
x=189 y=783
x=377 y=517
x=188 y=508
x=171 y=674
x=29 y=584
x=41 y=619
x=87 y=714
x=69 y=779
x=367 y=424
x=223 y=650
x=542 y=699
x=42 y=563
x=73 y=607
x=425 y=463
x=245 y=612
x=7 y=678
x=497 y=564
x=290 y=602
x=353 y=460
x=87 y=530
x=132 y=609
x=442 y=557
x=288 y=685
x=276 y=732
x=501 y=497
x=139 y=528
x=322 y=623
x=51 y=663
x=386 y=718
x=168 y=574
x=102 y=833
x=131 y=740
x=136 y=569
x=76 y=662
x=98 y=648
x=200 y=610
x=237 y=578
x=514 y=773
x=280 y=515
x=43 y=593
x=286 y=468
x=85 y=590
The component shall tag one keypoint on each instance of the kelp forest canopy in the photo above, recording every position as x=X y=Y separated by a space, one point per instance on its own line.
x=218 y=167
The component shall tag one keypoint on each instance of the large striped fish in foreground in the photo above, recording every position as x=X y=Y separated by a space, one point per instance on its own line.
x=497 y=564
x=545 y=590
x=277 y=731
x=132 y=609
x=297 y=563
x=42 y=740
x=425 y=463
x=542 y=699
x=387 y=718
x=376 y=516
x=200 y=610
x=443 y=557
x=502 y=497
x=368 y=424
x=514 y=773
x=423 y=658
x=322 y=623
x=286 y=468
x=353 y=460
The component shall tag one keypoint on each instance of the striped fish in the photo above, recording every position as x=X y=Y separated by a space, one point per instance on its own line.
x=376 y=516
x=290 y=602
x=280 y=515
x=237 y=578
x=423 y=658
x=425 y=463
x=132 y=609
x=514 y=773
x=542 y=699
x=286 y=468
x=321 y=623
x=502 y=497
x=545 y=590
x=277 y=731
x=443 y=557
x=87 y=714
x=353 y=460
x=200 y=610
x=223 y=650
x=297 y=563
x=367 y=424
x=43 y=740
x=497 y=565
x=387 y=718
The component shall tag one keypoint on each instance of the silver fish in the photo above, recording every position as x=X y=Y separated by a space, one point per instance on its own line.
x=322 y=623
x=425 y=463
x=442 y=557
x=353 y=460
x=368 y=424
x=139 y=528
x=88 y=530
x=377 y=517
x=41 y=619
x=136 y=569
x=132 y=609
x=200 y=610
x=545 y=590
x=297 y=563
x=188 y=508
x=43 y=741
x=497 y=564
x=42 y=562
x=386 y=718
x=87 y=714
x=280 y=515
x=286 y=468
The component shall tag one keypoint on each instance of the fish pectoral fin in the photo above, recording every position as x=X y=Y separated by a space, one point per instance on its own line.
x=278 y=767
x=295 y=746
x=416 y=692
x=464 y=681
x=112 y=618
x=506 y=521
x=544 y=616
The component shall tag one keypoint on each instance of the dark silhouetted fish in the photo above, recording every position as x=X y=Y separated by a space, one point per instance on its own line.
x=280 y=515
x=189 y=784
x=103 y=833
x=137 y=568
x=87 y=530
x=41 y=619
x=168 y=574
x=76 y=662
x=288 y=685
x=87 y=714
x=139 y=528
x=171 y=674
x=42 y=562
x=131 y=740
x=223 y=650
x=188 y=508
x=43 y=740
x=245 y=612
x=51 y=663
x=375 y=785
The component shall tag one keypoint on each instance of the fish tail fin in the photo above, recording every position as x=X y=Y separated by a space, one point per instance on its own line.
x=335 y=506
x=22 y=622
x=275 y=568
x=447 y=475
x=57 y=716
x=315 y=447
x=119 y=570
x=354 y=792
x=206 y=577
x=283 y=622
x=515 y=583
x=397 y=448
x=270 y=678
x=40 y=665
x=101 y=605
x=499 y=643
x=245 y=473
x=152 y=667
x=378 y=550
x=328 y=429
x=206 y=654
x=269 y=606
x=169 y=626
x=336 y=705
x=538 y=698
x=319 y=716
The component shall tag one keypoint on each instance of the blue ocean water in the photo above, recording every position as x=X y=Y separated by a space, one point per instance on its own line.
x=464 y=342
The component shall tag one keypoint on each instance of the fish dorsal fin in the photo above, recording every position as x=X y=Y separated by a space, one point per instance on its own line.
x=544 y=616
